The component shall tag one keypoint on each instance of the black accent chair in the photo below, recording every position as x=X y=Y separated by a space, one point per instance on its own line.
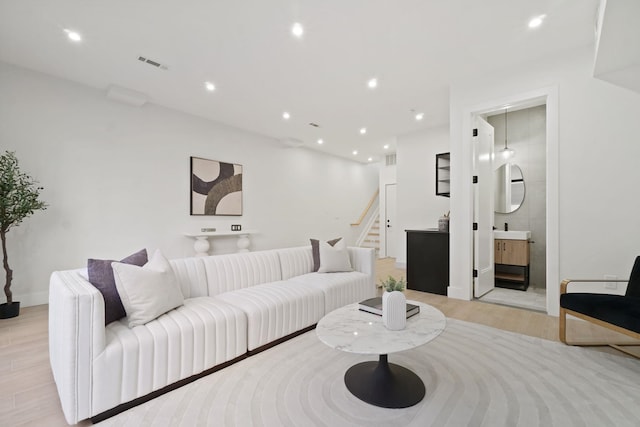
x=620 y=313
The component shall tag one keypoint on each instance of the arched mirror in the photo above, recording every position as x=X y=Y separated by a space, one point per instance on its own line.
x=508 y=188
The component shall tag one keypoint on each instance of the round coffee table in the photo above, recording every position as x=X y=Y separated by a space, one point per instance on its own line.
x=380 y=383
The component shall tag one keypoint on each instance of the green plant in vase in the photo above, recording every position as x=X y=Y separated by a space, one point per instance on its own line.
x=390 y=284
x=394 y=304
x=19 y=199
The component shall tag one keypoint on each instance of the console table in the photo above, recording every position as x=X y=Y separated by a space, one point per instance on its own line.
x=380 y=383
x=428 y=261
x=202 y=245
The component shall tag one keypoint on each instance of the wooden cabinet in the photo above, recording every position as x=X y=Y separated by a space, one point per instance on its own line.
x=511 y=263
x=428 y=261
x=443 y=174
x=512 y=252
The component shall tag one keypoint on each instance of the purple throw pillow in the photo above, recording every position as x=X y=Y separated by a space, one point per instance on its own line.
x=101 y=276
x=315 y=251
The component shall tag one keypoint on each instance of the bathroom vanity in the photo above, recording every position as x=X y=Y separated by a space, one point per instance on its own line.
x=511 y=257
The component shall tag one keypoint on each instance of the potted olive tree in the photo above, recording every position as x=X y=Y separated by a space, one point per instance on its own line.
x=19 y=198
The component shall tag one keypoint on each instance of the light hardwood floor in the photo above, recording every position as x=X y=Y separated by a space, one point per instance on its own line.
x=28 y=395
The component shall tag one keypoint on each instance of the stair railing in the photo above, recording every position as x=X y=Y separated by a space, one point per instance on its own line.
x=366 y=210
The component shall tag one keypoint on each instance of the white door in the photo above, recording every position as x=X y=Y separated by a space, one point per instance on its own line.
x=390 y=232
x=483 y=251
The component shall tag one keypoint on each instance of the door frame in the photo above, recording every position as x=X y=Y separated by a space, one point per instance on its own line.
x=462 y=120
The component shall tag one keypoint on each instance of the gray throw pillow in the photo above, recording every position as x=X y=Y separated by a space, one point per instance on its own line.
x=315 y=251
x=101 y=276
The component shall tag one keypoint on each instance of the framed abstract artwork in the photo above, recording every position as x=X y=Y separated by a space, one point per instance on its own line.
x=216 y=187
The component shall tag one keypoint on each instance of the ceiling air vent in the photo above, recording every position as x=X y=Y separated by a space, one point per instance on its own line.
x=315 y=125
x=152 y=62
x=391 y=159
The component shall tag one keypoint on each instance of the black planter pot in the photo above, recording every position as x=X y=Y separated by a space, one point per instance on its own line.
x=8 y=311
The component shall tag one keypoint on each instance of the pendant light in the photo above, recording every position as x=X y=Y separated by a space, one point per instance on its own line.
x=506 y=152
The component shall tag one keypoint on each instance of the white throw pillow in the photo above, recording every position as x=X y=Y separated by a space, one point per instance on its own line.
x=148 y=291
x=334 y=259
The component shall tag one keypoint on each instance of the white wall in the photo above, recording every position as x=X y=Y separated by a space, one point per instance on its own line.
x=598 y=154
x=418 y=205
x=116 y=178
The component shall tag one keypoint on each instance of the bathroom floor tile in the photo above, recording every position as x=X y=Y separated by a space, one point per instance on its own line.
x=532 y=299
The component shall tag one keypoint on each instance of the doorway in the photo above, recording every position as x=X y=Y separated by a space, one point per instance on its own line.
x=519 y=188
x=461 y=145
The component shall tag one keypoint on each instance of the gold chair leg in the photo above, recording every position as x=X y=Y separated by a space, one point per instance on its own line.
x=563 y=325
x=562 y=333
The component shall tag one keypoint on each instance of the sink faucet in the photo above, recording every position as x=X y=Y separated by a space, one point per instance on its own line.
x=506 y=226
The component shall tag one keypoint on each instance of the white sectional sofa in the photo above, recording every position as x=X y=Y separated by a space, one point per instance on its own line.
x=234 y=305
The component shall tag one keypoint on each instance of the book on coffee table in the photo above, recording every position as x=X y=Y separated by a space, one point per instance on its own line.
x=374 y=306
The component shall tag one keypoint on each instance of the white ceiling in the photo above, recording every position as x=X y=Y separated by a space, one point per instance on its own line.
x=618 y=44
x=415 y=48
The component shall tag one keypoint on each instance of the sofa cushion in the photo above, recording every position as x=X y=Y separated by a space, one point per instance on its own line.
x=340 y=289
x=191 y=276
x=295 y=261
x=148 y=291
x=275 y=310
x=315 y=250
x=199 y=335
x=100 y=275
x=622 y=311
x=237 y=271
x=334 y=259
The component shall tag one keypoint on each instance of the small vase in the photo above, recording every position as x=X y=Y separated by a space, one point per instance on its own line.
x=394 y=310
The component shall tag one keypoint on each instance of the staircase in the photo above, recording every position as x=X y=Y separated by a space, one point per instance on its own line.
x=372 y=238
x=369 y=225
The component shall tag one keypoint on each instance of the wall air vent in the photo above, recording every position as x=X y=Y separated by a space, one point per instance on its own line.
x=152 y=62
x=391 y=159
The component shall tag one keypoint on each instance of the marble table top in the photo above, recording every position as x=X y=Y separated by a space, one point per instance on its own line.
x=352 y=330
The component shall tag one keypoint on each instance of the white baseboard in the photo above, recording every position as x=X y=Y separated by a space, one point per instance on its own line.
x=458 y=293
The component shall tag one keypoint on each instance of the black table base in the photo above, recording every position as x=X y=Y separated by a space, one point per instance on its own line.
x=384 y=384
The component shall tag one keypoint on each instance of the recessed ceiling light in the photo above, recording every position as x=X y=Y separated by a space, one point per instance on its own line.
x=363 y=131
x=286 y=115
x=385 y=146
x=209 y=86
x=419 y=116
x=320 y=141
x=370 y=159
x=297 y=30
x=73 y=35
x=355 y=152
x=537 y=21
x=372 y=83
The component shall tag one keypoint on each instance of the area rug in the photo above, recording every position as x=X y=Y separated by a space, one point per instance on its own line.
x=475 y=376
